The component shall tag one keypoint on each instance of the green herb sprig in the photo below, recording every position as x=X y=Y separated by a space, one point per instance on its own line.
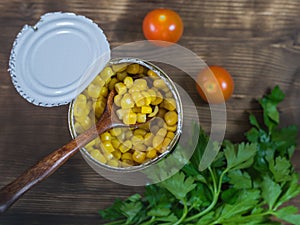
x=248 y=183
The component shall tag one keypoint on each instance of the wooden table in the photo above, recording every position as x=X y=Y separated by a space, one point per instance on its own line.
x=258 y=41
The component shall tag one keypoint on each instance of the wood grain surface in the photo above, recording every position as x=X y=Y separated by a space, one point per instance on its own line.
x=258 y=41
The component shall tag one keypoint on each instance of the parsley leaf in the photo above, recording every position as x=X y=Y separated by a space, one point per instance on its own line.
x=269 y=105
x=290 y=190
x=280 y=167
x=239 y=179
x=179 y=185
x=288 y=214
x=270 y=191
x=285 y=138
x=239 y=158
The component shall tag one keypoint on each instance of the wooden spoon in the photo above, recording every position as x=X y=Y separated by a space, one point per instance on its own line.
x=48 y=165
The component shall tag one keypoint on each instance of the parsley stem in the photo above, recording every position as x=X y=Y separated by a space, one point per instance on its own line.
x=216 y=192
x=245 y=218
x=185 y=212
x=149 y=222
x=116 y=222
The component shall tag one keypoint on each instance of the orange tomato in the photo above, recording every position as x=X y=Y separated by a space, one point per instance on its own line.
x=215 y=84
x=163 y=25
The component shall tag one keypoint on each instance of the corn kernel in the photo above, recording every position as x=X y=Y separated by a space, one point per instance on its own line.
x=120 y=67
x=80 y=109
x=151 y=153
x=154 y=128
x=130 y=118
x=127 y=156
x=162 y=132
x=127 y=101
x=112 y=83
x=165 y=89
x=117 y=154
x=152 y=94
x=138 y=156
x=128 y=134
x=158 y=148
x=93 y=91
x=127 y=163
x=122 y=136
x=141 y=70
x=159 y=83
x=81 y=98
x=125 y=146
x=96 y=154
x=169 y=94
x=157 y=141
x=107 y=73
x=155 y=111
x=171 y=118
x=133 y=68
x=138 y=98
x=121 y=76
x=171 y=128
x=98 y=81
x=170 y=135
x=158 y=99
x=157 y=121
x=140 y=147
x=166 y=142
x=141 y=118
x=113 y=163
x=161 y=113
x=137 y=139
x=146 y=109
x=140 y=83
x=121 y=112
x=105 y=136
x=139 y=131
x=115 y=143
x=148 y=139
x=151 y=73
x=134 y=89
x=108 y=155
x=115 y=131
x=169 y=104
x=107 y=81
x=86 y=123
x=99 y=107
x=128 y=81
x=103 y=91
x=117 y=100
x=78 y=128
x=90 y=144
x=97 y=142
x=107 y=146
x=136 y=109
x=120 y=88
x=147 y=97
x=89 y=149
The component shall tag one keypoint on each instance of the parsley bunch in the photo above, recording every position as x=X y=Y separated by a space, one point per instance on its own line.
x=248 y=183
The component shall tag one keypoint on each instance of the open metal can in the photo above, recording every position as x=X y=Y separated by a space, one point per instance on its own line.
x=121 y=158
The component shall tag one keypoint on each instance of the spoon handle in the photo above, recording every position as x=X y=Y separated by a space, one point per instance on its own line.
x=48 y=165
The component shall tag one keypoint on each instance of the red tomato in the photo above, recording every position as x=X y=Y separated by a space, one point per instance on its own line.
x=215 y=84
x=163 y=25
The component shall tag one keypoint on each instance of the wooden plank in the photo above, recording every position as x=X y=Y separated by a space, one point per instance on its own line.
x=257 y=41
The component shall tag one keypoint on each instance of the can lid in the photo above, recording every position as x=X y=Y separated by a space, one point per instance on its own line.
x=50 y=62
